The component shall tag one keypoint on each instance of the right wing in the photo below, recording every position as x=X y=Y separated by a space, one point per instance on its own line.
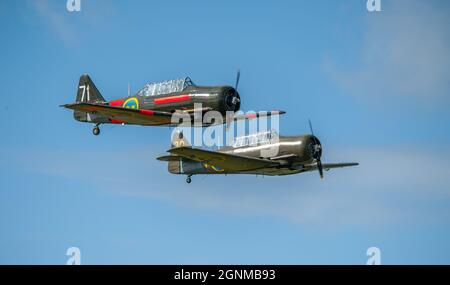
x=328 y=166
x=228 y=162
x=253 y=115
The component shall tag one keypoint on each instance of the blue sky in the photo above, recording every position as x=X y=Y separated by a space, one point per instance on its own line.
x=376 y=86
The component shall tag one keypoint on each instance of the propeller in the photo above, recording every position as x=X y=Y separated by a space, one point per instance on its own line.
x=233 y=100
x=317 y=150
x=233 y=97
x=310 y=127
x=238 y=76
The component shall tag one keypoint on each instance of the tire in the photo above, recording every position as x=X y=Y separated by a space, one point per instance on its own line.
x=96 y=131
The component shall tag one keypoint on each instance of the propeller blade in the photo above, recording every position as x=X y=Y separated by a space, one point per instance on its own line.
x=310 y=127
x=238 y=76
x=319 y=162
x=319 y=166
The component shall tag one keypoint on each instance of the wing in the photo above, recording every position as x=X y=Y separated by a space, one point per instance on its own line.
x=253 y=115
x=126 y=115
x=228 y=162
x=149 y=117
x=328 y=166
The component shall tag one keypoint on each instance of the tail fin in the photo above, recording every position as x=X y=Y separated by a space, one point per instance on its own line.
x=175 y=164
x=87 y=92
x=178 y=139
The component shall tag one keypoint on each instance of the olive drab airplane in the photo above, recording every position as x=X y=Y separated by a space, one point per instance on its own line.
x=155 y=104
x=294 y=154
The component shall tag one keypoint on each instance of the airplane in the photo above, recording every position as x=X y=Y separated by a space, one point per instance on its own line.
x=155 y=103
x=296 y=154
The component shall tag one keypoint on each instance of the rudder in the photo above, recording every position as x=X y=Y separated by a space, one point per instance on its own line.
x=178 y=139
x=87 y=91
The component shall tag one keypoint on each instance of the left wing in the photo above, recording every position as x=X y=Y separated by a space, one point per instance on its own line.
x=226 y=161
x=126 y=115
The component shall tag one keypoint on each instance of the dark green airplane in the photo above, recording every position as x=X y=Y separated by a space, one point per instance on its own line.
x=292 y=155
x=156 y=103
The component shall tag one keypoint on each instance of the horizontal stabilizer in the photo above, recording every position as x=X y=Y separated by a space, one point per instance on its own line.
x=169 y=158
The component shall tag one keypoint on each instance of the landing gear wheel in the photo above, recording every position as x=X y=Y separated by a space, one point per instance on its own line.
x=188 y=180
x=96 y=131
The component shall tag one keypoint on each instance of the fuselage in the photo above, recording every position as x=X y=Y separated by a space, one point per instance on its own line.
x=217 y=98
x=292 y=151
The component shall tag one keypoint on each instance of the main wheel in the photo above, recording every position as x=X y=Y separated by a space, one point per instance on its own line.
x=96 y=131
x=188 y=180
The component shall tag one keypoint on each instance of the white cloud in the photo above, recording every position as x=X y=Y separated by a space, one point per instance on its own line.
x=391 y=185
x=404 y=54
x=57 y=19
x=70 y=27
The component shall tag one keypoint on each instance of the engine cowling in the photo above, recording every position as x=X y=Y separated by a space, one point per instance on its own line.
x=232 y=100
x=314 y=147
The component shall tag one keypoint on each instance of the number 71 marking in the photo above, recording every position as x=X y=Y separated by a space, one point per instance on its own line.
x=84 y=87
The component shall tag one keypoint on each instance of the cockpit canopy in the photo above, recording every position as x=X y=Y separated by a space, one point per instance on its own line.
x=255 y=139
x=165 y=87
